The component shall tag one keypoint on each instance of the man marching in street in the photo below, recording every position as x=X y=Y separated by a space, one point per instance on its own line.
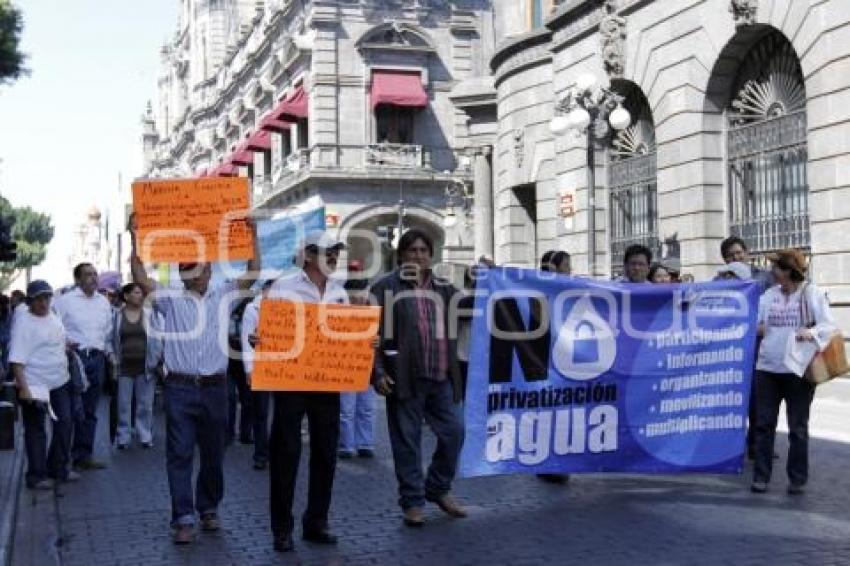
x=195 y=392
x=416 y=368
x=318 y=257
x=87 y=318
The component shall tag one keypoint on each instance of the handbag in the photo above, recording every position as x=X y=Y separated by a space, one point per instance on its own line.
x=832 y=361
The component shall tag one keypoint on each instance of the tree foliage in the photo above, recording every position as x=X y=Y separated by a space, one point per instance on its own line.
x=32 y=231
x=11 y=58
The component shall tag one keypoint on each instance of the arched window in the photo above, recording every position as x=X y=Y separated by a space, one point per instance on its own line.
x=767 y=150
x=632 y=186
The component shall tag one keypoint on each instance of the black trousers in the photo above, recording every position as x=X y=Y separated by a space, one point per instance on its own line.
x=322 y=410
x=239 y=392
x=771 y=390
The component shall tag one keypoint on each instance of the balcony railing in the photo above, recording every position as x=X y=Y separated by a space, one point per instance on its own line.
x=402 y=156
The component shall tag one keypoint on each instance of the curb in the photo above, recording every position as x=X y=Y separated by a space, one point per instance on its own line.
x=9 y=498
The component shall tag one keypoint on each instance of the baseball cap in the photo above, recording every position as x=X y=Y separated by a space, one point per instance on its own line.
x=38 y=287
x=321 y=240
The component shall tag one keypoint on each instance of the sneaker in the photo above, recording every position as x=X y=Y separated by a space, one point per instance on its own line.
x=43 y=485
x=759 y=487
x=796 y=489
x=366 y=453
x=89 y=464
x=72 y=477
x=210 y=522
x=184 y=534
x=345 y=454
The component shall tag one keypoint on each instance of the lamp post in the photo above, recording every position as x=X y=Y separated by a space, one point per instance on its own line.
x=457 y=194
x=596 y=112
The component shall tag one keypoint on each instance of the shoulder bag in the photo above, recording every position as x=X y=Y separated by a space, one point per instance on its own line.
x=832 y=361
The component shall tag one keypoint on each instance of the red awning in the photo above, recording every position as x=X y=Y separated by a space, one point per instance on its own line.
x=398 y=89
x=293 y=106
x=242 y=156
x=270 y=123
x=225 y=170
x=260 y=141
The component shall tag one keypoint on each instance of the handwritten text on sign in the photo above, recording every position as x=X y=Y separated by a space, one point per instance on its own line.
x=314 y=347
x=190 y=220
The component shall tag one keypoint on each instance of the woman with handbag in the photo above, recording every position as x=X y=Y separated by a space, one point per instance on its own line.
x=791 y=313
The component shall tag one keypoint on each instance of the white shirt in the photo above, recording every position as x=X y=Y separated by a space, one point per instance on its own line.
x=38 y=344
x=195 y=327
x=295 y=287
x=87 y=320
x=781 y=316
x=299 y=286
x=250 y=321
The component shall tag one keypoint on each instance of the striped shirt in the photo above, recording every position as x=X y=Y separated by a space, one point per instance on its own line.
x=195 y=328
x=432 y=333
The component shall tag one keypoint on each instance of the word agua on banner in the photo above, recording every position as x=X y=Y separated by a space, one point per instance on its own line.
x=314 y=347
x=191 y=220
x=575 y=375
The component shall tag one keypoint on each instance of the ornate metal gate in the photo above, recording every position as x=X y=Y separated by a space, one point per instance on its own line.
x=767 y=151
x=633 y=203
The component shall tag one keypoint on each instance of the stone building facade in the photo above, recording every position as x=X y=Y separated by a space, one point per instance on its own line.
x=739 y=126
x=368 y=105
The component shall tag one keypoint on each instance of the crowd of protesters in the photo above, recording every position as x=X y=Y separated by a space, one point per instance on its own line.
x=63 y=351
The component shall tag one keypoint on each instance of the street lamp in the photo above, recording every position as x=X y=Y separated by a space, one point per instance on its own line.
x=596 y=112
x=457 y=195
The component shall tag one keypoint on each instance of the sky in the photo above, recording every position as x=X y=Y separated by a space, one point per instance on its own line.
x=69 y=129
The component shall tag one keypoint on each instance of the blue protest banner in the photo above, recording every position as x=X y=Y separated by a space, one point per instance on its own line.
x=279 y=237
x=578 y=375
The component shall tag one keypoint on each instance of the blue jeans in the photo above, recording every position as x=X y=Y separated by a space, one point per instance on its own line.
x=357 y=420
x=41 y=462
x=195 y=415
x=142 y=386
x=433 y=401
x=85 y=424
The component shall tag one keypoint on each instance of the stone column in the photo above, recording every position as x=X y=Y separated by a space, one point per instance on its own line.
x=483 y=208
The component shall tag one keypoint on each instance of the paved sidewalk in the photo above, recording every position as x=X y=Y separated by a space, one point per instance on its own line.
x=120 y=516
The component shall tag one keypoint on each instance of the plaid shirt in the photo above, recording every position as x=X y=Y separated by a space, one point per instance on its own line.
x=432 y=333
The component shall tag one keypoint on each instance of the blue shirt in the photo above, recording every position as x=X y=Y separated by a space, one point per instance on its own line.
x=194 y=328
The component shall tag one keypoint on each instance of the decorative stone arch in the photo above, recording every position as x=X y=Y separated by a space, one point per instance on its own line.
x=756 y=99
x=370 y=217
x=395 y=35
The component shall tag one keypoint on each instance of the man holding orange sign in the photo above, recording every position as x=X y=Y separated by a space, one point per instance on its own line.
x=303 y=354
x=195 y=394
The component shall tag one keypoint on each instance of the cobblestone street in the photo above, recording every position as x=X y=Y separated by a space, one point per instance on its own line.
x=120 y=516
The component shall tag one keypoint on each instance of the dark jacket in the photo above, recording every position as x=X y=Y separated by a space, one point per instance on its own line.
x=399 y=331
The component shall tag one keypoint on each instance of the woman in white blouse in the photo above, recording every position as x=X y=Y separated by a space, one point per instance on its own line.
x=790 y=312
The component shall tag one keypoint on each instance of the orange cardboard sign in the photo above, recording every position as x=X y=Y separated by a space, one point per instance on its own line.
x=314 y=347
x=192 y=220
